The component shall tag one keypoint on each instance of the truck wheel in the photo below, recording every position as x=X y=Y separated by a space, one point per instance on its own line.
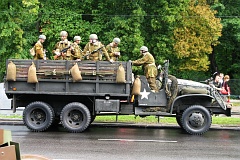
x=38 y=116
x=196 y=120
x=75 y=117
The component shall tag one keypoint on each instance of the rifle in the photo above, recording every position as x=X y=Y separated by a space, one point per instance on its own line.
x=94 y=51
x=64 y=50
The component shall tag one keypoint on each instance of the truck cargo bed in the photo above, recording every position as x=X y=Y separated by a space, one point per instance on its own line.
x=98 y=78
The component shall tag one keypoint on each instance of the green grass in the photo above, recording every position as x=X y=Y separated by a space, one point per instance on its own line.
x=235 y=103
x=152 y=119
x=11 y=116
x=149 y=119
x=163 y=120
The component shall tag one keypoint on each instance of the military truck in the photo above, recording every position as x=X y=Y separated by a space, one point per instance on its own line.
x=57 y=99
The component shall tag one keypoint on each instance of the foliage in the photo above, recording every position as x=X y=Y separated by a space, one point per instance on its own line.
x=184 y=31
x=16 y=24
x=227 y=52
x=197 y=32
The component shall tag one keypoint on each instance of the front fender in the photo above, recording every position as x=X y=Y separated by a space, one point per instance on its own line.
x=184 y=101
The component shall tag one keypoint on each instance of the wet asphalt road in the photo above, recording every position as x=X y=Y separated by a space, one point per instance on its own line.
x=111 y=143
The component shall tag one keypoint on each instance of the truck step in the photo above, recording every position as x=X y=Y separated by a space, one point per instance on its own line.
x=142 y=111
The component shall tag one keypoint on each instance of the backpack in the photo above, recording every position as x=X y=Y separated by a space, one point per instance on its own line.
x=32 y=51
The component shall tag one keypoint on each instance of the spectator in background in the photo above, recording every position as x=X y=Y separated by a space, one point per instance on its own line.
x=221 y=75
x=225 y=88
x=216 y=83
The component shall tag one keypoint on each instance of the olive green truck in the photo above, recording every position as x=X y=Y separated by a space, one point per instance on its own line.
x=56 y=98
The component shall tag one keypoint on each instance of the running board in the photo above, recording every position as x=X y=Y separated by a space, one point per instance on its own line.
x=141 y=112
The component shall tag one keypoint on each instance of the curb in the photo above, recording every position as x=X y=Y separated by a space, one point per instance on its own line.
x=19 y=122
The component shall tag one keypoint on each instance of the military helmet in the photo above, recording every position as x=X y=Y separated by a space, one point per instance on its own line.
x=63 y=33
x=116 y=40
x=77 y=38
x=93 y=36
x=144 y=48
x=42 y=37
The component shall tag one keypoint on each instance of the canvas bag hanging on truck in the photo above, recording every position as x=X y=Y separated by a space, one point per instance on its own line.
x=76 y=73
x=120 y=78
x=11 y=71
x=136 y=86
x=32 y=75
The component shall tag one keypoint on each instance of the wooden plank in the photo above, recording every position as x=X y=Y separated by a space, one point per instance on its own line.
x=106 y=70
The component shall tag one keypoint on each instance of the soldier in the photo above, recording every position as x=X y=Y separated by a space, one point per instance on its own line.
x=38 y=47
x=94 y=49
x=150 y=69
x=76 y=51
x=62 y=45
x=113 y=50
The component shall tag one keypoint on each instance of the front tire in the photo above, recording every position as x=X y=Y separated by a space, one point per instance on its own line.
x=38 y=116
x=196 y=120
x=75 y=117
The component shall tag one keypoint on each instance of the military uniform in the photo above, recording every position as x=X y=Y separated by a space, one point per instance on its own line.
x=97 y=56
x=150 y=69
x=39 y=52
x=111 y=51
x=76 y=52
x=60 y=46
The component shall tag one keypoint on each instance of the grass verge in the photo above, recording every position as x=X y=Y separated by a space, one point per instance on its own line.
x=163 y=120
x=148 y=120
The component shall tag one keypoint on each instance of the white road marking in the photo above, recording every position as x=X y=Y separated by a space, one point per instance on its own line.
x=137 y=140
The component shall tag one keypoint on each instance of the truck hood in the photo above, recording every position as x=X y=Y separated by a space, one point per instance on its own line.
x=184 y=82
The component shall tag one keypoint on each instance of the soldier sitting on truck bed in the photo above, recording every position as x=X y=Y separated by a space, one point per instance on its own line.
x=76 y=52
x=62 y=49
x=150 y=69
x=113 y=50
x=94 y=49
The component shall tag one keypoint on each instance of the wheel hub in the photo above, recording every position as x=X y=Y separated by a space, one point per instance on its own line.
x=196 y=119
x=75 y=117
x=38 y=115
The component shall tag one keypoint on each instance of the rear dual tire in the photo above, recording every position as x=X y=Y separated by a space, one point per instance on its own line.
x=75 y=117
x=38 y=116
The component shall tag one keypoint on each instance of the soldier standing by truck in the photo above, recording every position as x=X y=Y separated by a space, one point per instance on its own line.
x=113 y=50
x=38 y=47
x=150 y=69
x=76 y=52
x=94 y=49
x=62 y=49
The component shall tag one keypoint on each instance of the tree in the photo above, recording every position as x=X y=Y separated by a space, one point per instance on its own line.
x=159 y=24
x=198 y=31
x=15 y=18
x=227 y=56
